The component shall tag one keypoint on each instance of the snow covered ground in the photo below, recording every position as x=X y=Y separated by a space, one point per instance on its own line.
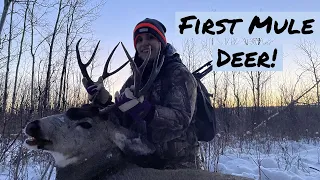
x=285 y=160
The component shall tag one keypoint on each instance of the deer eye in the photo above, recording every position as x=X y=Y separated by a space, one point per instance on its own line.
x=85 y=125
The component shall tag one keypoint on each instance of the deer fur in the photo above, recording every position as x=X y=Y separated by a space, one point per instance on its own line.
x=86 y=147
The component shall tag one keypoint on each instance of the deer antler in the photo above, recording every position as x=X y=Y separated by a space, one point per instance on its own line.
x=83 y=67
x=138 y=72
x=137 y=76
x=105 y=71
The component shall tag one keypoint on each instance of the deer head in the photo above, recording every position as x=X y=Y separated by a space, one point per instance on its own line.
x=81 y=132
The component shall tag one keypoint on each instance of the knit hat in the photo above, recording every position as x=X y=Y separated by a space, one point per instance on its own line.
x=152 y=26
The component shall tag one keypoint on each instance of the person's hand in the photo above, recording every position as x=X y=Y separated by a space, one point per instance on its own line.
x=137 y=108
x=96 y=91
x=127 y=102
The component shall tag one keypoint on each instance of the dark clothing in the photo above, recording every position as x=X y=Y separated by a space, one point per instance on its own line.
x=170 y=125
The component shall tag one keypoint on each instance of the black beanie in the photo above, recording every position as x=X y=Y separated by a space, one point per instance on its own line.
x=152 y=26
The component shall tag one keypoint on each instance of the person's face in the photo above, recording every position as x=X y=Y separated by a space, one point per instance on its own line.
x=144 y=42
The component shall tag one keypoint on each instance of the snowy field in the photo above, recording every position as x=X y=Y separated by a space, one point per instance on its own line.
x=285 y=160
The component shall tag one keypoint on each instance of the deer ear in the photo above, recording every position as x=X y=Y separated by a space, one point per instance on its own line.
x=83 y=112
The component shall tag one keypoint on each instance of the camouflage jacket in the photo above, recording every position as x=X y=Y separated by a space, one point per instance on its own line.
x=173 y=95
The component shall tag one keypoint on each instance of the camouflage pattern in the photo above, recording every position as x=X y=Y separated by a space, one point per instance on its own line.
x=171 y=125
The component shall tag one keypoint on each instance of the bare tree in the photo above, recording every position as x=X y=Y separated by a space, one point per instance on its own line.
x=78 y=16
x=14 y=94
x=46 y=92
x=288 y=90
x=36 y=21
x=257 y=81
x=6 y=6
x=5 y=94
x=32 y=103
x=191 y=54
x=311 y=63
x=69 y=26
x=236 y=90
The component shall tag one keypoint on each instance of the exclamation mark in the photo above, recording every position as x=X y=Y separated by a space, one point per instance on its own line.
x=274 y=57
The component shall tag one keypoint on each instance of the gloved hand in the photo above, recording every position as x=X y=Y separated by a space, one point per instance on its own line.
x=137 y=108
x=96 y=92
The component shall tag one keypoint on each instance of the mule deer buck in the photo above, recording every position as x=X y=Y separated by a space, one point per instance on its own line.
x=89 y=143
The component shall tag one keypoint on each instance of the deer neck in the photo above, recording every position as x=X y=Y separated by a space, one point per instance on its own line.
x=100 y=165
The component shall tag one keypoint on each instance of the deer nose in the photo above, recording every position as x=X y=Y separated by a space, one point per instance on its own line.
x=33 y=129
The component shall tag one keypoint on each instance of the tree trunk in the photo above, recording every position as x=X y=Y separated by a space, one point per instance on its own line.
x=67 y=46
x=19 y=59
x=46 y=92
x=317 y=87
x=5 y=94
x=32 y=103
x=236 y=92
x=6 y=6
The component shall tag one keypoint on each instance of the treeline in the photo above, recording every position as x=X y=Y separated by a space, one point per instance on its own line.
x=296 y=122
x=38 y=70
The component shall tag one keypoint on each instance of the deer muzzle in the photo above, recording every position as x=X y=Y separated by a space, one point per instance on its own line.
x=35 y=137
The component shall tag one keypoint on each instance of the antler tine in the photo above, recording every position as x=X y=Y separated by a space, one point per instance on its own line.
x=132 y=63
x=155 y=71
x=93 y=55
x=137 y=72
x=139 y=76
x=83 y=67
x=105 y=71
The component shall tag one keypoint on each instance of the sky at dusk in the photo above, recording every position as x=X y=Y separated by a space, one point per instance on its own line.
x=118 y=19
